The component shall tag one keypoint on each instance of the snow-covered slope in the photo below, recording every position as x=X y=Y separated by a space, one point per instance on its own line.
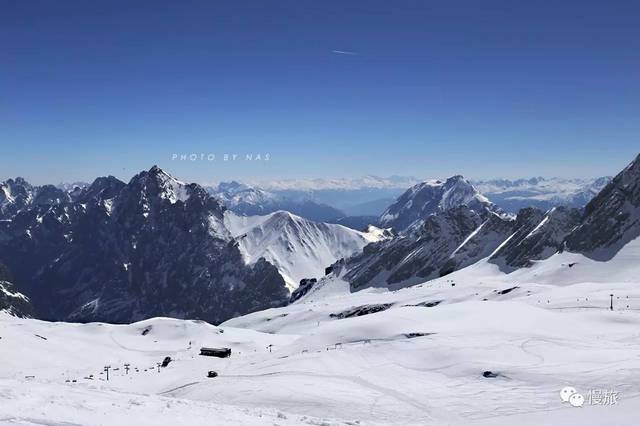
x=413 y=356
x=539 y=329
x=53 y=374
x=298 y=247
x=477 y=346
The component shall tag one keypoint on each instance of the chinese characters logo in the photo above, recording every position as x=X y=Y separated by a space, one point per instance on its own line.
x=605 y=397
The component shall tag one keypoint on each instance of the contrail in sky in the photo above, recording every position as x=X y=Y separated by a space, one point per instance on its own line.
x=343 y=52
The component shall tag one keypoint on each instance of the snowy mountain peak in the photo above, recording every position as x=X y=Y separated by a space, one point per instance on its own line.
x=156 y=170
x=430 y=197
x=17 y=195
x=298 y=247
x=153 y=246
x=158 y=183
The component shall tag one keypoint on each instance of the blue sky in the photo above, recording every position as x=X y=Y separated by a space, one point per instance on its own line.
x=429 y=88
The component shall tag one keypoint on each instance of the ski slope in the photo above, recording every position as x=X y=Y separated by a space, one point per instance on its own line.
x=324 y=360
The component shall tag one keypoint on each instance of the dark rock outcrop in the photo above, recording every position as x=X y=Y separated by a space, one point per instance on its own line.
x=418 y=256
x=11 y=300
x=124 y=252
x=612 y=218
x=537 y=235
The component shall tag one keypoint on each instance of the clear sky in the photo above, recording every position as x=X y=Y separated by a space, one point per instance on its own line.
x=326 y=88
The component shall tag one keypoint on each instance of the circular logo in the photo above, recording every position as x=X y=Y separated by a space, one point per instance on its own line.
x=566 y=393
x=576 y=400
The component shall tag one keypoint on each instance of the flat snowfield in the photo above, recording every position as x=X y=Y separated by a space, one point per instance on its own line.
x=413 y=356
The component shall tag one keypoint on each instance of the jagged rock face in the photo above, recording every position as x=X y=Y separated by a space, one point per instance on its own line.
x=454 y=239
x=427 y=198
x=12 y=301
x=416 y=257
x=481 y=243
x=120 y=253
x=17 y=195
x=612 y=218
x=48 y=195
x=536 y=236
x=102 y=189
x=443 y=226
x=306 y=284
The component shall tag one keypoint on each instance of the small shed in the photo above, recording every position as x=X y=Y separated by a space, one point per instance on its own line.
x=217 y=352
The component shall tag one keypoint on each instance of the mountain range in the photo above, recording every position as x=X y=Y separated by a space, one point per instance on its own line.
x=542 y=193
x=298 y=247
x=117 y=252
x=247 y=200
x=441 y=232
x=156 y=246
x=355 y=202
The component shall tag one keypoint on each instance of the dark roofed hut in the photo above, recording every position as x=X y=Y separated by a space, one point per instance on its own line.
x=217 y=352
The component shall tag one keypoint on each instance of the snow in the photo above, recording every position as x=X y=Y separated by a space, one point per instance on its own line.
x=554 y=329
x=459 y=194
x=34 y=387
x=469 y=237
x=174 y=190
x=298 y=247
x=538 y=226
x=375 y=234
x=7 y=193
x=410 y=210
x=418 y=360
x=504 y=243
x=12 y=294
x=108 y=205
x=406 y=364
x=47 y=404
x=217 y=228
